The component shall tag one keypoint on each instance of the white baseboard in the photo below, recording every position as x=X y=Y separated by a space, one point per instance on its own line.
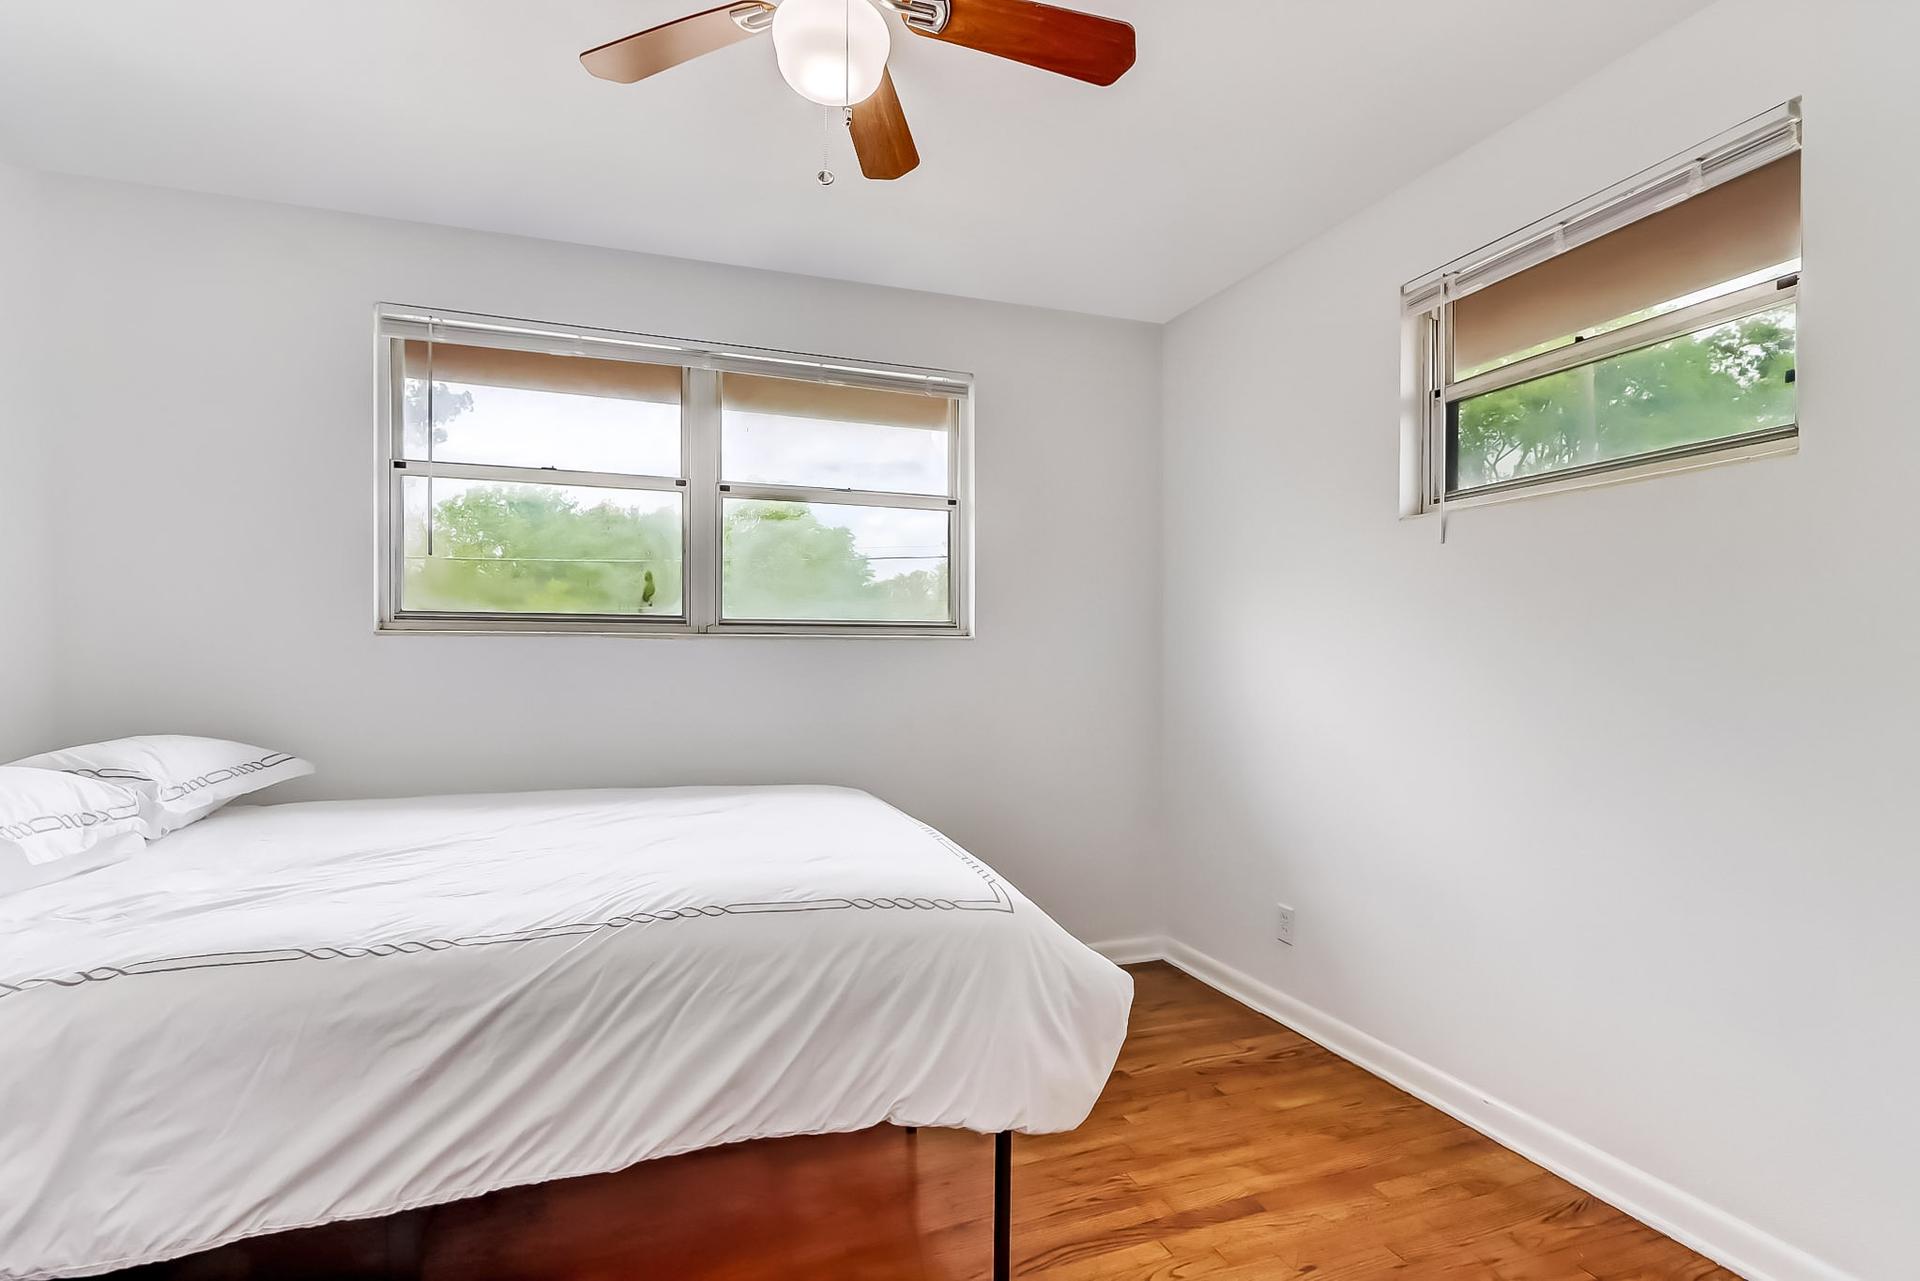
x=1729 y=1241
x=1148 y=947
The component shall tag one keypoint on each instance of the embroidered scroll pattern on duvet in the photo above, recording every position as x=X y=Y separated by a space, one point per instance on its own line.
x=997 y=901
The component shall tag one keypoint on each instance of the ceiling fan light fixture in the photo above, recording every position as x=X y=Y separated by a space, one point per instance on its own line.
x=832 y=52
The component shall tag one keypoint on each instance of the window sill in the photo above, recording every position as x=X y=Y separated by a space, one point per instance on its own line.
x=666 y=631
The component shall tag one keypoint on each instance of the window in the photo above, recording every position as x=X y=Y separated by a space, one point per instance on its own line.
x=537 y=479
x=1650 y=329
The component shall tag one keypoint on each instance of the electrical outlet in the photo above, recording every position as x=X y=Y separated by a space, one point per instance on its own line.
x=1283 y=924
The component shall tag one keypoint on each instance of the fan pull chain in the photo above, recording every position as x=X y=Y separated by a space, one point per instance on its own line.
x=825 y=176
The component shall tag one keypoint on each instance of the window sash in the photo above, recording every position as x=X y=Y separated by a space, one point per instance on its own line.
x=1779 y=292
x=536 y=475
x=766 y=626
x=702 y=562
x=395 y=617
x=1439 y=440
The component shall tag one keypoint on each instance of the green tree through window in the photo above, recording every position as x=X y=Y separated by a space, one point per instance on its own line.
x=478 y=546
x=549 y=549
x=1723 y=381
x=544 y=549
x=780 y=560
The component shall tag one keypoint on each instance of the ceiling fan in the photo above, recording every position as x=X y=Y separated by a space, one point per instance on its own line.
x=834 y=52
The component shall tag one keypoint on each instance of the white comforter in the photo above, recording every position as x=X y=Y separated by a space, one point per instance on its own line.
x=298 y=1013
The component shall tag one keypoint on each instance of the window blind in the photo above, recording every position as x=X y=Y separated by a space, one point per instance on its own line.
x=539 y=371
x=1757 y=144
x=800 y=398
x=1735 y=229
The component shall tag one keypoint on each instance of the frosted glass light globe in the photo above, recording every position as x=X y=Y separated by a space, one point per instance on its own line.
x=832 y=52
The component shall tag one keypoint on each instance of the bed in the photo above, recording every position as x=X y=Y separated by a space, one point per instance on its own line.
x=293 y=1014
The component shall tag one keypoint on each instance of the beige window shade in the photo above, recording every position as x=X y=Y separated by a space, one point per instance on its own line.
x=536 y=371
x=795 y=398
x=1731 y=230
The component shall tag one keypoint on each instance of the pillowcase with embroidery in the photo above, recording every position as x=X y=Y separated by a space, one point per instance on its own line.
x=180 y=779
x=59 y=825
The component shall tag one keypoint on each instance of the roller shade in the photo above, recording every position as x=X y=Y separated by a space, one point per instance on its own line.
x=795 y=398
x=1736 y=228
x=537 y=371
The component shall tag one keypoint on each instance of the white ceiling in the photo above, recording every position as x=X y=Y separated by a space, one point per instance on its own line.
x=1247 y=127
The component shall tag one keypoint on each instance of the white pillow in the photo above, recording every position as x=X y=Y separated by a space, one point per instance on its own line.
x=180 y=779
x=58 y=825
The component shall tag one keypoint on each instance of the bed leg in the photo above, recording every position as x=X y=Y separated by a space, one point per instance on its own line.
x=406 y=1244
x=1002 y=1205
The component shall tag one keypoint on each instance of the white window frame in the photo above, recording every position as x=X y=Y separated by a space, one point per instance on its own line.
x=699 y=483
x=1427 y=308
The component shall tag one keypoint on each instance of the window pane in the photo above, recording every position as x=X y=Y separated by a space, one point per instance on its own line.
x=1724 y=381
x=831 y=563
x=783 y=431
x=482 y=547
x=1720 y=290
x=526 y=409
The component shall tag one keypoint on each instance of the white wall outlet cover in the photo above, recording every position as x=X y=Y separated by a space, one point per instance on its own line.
x=1283 y=924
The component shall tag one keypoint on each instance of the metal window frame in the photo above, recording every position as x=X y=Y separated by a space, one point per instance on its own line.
x=1427 y=304
x=700 y=484
x=1445 y=395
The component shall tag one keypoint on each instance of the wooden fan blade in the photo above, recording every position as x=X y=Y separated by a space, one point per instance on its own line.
x=880 y=134
x=1064 y=41
x=649 y=52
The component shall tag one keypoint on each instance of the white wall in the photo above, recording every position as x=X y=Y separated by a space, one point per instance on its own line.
x=216 y=542
x=26 y=684
x=1600 y=808
x=1606 y=806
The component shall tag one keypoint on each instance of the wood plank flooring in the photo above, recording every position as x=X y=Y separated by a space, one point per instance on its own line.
x=1226 y=1147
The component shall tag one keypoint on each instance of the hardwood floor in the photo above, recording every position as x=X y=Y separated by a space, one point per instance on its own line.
x=1225 y=1147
